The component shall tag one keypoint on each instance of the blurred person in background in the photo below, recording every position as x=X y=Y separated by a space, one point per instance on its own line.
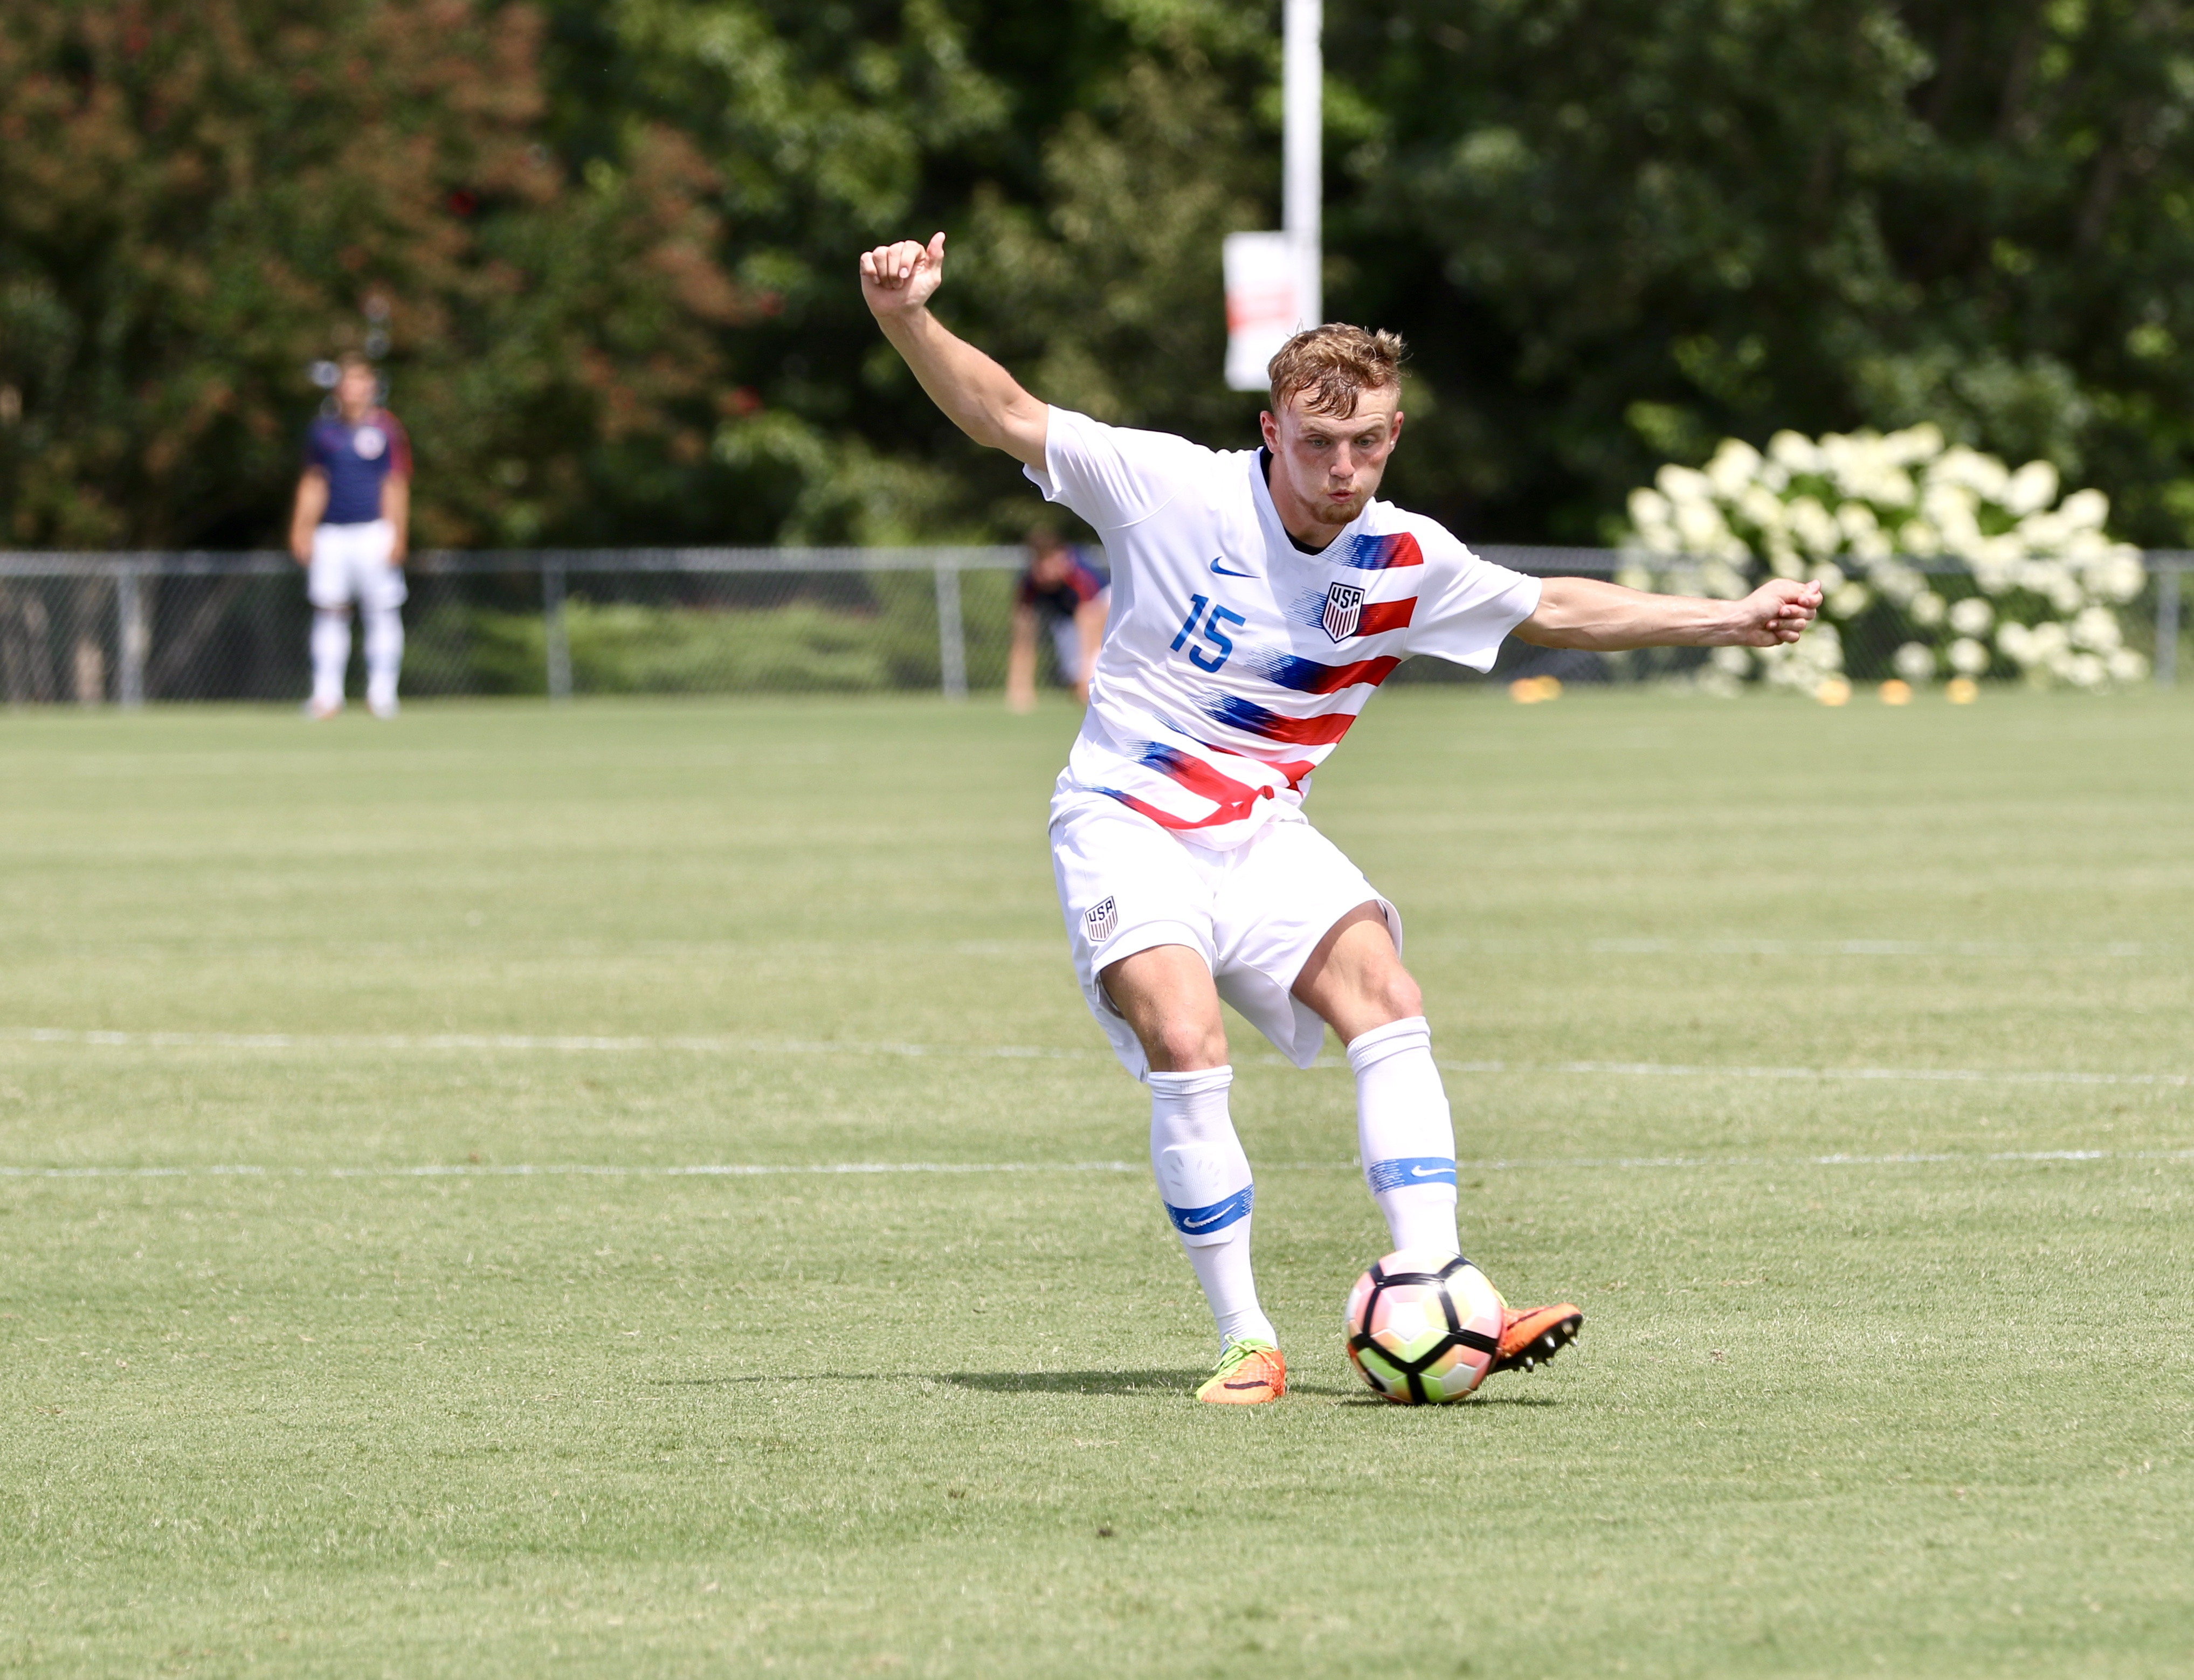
x=1063 y=594
x=349 y=530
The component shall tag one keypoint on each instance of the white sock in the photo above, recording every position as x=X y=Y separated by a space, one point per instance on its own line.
x=1405 y=1133
x=1204 y=1179
x=330 y=655
x=384 y=655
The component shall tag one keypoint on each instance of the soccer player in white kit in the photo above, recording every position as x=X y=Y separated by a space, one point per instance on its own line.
x=349 y=528
x=1259 y=597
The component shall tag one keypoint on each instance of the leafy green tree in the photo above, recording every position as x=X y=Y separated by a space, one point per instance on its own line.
x=197 y=200
x=1614 y=231
x=611 y=244
x=1085 y=160
x=1618 y=229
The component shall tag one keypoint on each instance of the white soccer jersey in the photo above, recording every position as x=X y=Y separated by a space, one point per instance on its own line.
x=1232 y=661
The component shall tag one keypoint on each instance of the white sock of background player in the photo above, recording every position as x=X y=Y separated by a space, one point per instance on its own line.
x=1204 y=1179
x=1405 y=1133
x=384 y=654
x=331 y=655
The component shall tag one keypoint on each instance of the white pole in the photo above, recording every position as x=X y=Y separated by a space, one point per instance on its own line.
x=2167 y=620
x=133 y=636
x=556 y=634
x=951 y=635
x=1302 y=91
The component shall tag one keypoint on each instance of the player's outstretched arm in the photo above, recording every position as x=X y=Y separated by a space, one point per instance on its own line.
x=1606 y=618
x=976 y=395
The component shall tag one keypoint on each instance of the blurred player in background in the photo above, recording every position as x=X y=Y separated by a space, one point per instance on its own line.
x=349 y=530
x=1260 y=597
x=1063 y=594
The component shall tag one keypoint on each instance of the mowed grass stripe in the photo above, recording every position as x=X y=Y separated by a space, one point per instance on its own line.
x=836 y=1168
x=1747 y=1424
x=435 y=1042
x=1879 y=1375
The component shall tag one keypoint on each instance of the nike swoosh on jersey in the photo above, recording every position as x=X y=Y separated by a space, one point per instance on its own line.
x=1223 y=572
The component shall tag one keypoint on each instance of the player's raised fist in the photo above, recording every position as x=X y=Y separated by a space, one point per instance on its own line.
x=896 y=279
x=1778 y=611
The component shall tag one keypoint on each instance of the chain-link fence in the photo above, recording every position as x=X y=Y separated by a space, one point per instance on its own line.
x=129 y=629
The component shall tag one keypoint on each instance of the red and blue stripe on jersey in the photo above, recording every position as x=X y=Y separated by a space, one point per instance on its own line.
x=1307 y=676
x=1367 y=552
x=1267 y=725
x=1234 y=800
x=1349 y=683
x=1383 y=554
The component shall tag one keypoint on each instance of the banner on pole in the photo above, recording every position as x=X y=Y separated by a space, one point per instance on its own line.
x=1263 y=309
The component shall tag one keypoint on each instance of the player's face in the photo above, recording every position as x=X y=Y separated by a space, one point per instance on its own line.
x=1048 y=568
x=1331 y=466
x=354 y=391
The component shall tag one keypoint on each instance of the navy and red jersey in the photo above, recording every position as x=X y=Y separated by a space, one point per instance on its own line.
x=1082 y=584
x=356 y=460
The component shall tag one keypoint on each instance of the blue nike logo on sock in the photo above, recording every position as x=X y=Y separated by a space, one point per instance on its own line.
x=1214 y=1216
x=1223 y=571
x=1418 y=1169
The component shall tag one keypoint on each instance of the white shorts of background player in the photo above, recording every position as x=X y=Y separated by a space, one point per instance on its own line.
x=1254 y=913
x=1066 y=641
x=350 y=563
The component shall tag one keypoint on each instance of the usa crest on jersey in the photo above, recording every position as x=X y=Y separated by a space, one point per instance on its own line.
x=1100 y=920
x=1344 y=605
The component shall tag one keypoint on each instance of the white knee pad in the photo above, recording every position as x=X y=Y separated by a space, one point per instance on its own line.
x=1203 y=1176
x=1207 y=1189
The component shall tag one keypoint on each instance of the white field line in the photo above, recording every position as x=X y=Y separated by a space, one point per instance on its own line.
x=1952 y=1075
x=954 y=1169
x=563 y=1041
x=577 y=1169
x=1018 y=1052
x=1866 y=948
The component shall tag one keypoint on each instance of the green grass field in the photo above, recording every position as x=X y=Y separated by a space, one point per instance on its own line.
x=1836 y=1062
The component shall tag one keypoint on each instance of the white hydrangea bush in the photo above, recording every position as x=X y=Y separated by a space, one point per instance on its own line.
x=1854 y=513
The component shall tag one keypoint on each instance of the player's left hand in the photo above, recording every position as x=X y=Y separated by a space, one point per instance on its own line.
x=898 y=279
x=1778 y=611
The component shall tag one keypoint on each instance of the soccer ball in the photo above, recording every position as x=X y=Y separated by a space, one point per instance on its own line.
x=1423 y=1326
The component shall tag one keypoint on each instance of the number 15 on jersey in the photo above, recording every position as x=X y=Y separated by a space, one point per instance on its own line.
x=1214 y=631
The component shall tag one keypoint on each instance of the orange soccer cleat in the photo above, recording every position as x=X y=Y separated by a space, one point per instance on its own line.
x=1250 y=1372
x=1534 y=1335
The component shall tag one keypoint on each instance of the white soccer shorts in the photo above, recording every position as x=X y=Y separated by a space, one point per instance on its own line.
x=351 y=562
x=1067 y=646
x=1255 y=914
x=1066 y=642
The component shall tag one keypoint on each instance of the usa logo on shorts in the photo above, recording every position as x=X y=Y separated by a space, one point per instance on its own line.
x=1344 y=605
x=1101 y=920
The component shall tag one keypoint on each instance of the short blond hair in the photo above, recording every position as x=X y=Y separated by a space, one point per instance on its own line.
x=1336 y=363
